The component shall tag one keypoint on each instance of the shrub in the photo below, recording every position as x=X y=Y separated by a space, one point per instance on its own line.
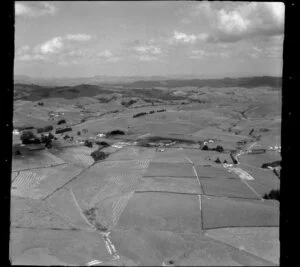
x=61 y=121
x=273 y=194
x=225 y=161
x=78 y=133
x=151 y=112
x=98 y=155
x=66 y=137
x=40 y=103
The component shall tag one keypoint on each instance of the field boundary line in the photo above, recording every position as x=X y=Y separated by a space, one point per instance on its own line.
x=252 y=189
x=170 y=192
x=79 y=209
x=43 y=167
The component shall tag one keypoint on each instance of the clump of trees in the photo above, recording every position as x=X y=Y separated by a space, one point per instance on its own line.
x=115 y=132
x=219 y=149
x=27 y=137
x=102 y=143
x=61 y=121
x=98 y=155
x=271 y=164
x=273 y=194
x=47 y=128
x=128 y=103
x=63 y=130
x=18 y=153
x=88 y=143
x=139 y=114
x=151 y=112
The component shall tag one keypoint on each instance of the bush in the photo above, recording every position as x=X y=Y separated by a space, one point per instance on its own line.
x=61 y=121
x=151 y=112
x=98 y=155
x=273 y=194
x=78 y=133
x=40 y=103
x=88 y=143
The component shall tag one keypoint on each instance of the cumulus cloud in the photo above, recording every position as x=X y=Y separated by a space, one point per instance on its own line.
x=35 y=9
x=105 y=54
x=69 y=48
x=150 y=49
x=52 y=46
x=180 y=37
x=236 y=21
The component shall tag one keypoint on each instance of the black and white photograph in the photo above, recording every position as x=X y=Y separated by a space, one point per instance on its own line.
x=146 y=133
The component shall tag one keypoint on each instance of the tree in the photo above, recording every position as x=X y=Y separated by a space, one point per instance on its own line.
x=218 y=161
x=219 y=149
x=98 y=155
x=205 y=147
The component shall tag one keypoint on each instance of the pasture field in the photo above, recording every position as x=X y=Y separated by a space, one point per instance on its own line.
x=162 y=211
x=36 y=159
x=157 y=199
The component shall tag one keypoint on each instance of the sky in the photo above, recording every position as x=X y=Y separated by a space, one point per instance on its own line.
x=165 y=38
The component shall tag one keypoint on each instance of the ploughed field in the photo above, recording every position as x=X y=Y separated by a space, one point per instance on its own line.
x=164 y=195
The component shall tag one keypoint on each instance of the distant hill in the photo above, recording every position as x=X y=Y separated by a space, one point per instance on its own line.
x=34 y=92
x=215 y=83
x=152 y=81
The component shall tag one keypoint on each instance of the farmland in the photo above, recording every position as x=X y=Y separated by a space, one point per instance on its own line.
x=158 y=197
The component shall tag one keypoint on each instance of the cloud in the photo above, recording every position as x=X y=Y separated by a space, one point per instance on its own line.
x=147 y=58
x=35 y=9
x=79 y=37
x=232 y=22
x=105 y=54
x=200 y=54
x=184 y=38
x=68 y=48
x=150 y=49
x=52 y=46
x=180 y=37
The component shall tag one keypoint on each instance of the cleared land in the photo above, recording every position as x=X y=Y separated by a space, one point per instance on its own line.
x=159 y=198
